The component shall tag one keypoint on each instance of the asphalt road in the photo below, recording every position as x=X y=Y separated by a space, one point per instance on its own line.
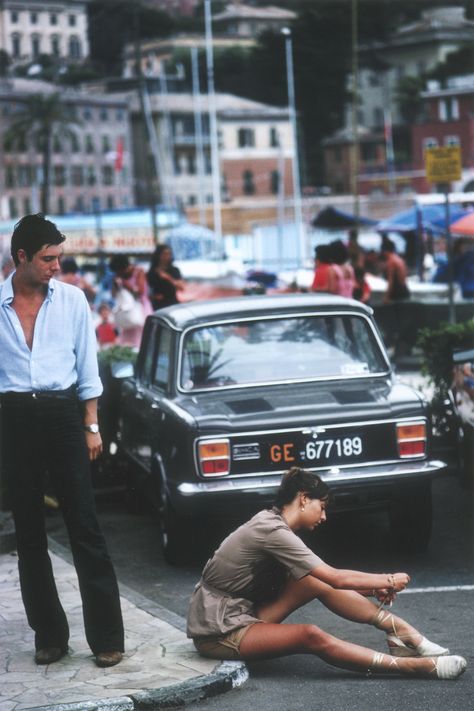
x=440 y=603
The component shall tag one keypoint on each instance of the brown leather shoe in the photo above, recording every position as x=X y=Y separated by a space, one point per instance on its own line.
x=48 y=655
x=108 y=659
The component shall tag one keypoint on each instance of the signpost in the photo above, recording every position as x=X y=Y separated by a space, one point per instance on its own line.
x=443 y=164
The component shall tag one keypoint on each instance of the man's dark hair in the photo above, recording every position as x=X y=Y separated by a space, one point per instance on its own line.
x=33 y=232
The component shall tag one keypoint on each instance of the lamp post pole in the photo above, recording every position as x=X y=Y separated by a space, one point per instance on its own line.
x=286 y=32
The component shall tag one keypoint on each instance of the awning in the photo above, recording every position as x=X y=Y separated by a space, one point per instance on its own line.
x=464 y=226
x=332 y=218
x=432 y=217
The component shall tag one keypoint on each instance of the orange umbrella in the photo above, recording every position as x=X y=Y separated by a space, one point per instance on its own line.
x=464 y=226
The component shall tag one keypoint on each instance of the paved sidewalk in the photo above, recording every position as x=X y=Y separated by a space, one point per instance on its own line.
x=160 y=667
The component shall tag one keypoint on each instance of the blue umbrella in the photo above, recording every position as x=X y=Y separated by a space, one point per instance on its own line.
x=432 y=217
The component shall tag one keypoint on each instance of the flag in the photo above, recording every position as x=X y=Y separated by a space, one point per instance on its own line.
x=119 y=155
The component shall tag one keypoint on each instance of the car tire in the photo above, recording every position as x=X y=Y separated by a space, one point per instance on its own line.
x=173 y=532
x=410 y=518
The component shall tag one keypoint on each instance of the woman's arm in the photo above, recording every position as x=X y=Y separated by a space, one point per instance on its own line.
x=357 y=580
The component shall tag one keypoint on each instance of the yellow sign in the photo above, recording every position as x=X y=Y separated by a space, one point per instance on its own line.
x=443 y=164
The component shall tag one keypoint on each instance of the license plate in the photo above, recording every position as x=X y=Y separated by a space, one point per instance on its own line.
x=317 y=451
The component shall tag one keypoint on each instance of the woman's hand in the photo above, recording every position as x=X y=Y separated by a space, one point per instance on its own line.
x=398 y=581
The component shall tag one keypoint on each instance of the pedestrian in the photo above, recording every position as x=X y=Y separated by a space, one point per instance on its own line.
x=70 y=274
x=49 y=385
x=164 y=278
x=105 y=331
x=263 y=571
x=346 y=278
x=129 y=281
x=326 y=276
x=395 y=273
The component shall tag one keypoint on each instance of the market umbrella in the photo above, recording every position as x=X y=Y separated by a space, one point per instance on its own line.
x=431 y=217
x=464 y=226
x=332 y=218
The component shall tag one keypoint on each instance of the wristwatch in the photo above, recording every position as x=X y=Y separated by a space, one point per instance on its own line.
x=94 y=428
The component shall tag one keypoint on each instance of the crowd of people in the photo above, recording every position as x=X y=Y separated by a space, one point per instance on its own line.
x=342 y=269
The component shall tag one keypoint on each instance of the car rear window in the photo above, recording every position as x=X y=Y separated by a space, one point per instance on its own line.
x=279 y=349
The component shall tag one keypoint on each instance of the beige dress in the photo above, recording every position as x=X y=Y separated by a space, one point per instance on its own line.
x=250 y=566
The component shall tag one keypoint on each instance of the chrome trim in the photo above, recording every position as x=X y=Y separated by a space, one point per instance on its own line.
x=274 y=317
x=384 y=474
x=411 y=420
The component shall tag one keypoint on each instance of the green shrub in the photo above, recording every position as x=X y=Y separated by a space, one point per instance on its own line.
x=117 y=354
x=437 y=346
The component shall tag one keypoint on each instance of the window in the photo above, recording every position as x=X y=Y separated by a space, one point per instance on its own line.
x=75 y=147
x=75 y=51
x=14 y=17
x=10 y=180
x=7 y=144
x=374 y=79
x=104 y=114
x=61 y=206
x=34 y=18
x=107 y=175
x=57 y=145
x=35 y=45
x=313 y=347
x=120 y=115
x=248 y=186
x=77 y=175
x=87 y=113
x=12 y=206
x=72 y=20
x=177 y=164
x=59 y=175
x=274 y=181
x=274 y=138
x=16 y=45
x=26 y=206
x=448 y=109
x=110 y=202
x=430 y=142
x=89 y=147
x=191 y=164
x=378 y=116
x=105 y=144
x=24 y=176
x=368 y=152
x=55 y=45
x=161 y=376
x=91 y=176
x=79 y=204
x=246 y=137
x=53 y=18
x=452 y=141
x=337 y=154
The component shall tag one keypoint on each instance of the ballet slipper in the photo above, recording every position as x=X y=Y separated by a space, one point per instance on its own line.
x=426 y=648
x=449 y=667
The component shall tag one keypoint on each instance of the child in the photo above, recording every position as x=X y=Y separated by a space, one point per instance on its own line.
x=106 y=332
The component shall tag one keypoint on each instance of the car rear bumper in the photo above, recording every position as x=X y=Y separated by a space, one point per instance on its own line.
x=200 y=496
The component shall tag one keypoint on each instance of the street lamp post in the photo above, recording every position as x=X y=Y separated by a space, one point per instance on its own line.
x=286 y=32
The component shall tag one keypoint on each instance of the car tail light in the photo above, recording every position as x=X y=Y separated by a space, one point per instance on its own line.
x=214 y=457
x=411 y=439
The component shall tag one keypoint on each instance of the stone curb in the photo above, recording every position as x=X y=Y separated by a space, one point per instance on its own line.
x=226 y=676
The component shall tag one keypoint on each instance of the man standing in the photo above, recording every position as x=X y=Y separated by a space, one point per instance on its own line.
x=49 y=385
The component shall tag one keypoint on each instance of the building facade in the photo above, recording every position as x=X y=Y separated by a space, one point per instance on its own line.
x=255 y=149
x=91 y=166
x=29 y=28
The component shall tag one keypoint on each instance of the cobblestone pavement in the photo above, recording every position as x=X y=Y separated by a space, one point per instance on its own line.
x=157 y=653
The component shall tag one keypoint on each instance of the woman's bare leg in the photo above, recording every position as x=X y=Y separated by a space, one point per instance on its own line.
x=345 y=603
x=263 y=641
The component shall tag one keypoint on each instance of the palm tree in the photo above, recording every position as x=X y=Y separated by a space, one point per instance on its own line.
x=42 y=118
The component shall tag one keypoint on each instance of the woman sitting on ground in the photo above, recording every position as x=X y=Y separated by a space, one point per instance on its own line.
x=263 y=571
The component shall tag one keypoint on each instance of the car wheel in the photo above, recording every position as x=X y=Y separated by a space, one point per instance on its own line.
x=410 y=518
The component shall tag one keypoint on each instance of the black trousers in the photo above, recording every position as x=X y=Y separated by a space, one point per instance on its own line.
x=45 y=433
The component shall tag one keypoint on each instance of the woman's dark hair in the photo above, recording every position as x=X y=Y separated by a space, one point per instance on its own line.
x=33 y=232
x=323 y=254
x=296 y=481
x=119 y=263
x=339 y=252
x=69 y=266
x=156 y=256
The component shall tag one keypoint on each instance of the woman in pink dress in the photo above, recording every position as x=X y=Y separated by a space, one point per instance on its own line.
x=132 y=278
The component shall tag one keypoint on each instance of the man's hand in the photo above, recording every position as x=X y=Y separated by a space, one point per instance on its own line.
x=94 y=445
